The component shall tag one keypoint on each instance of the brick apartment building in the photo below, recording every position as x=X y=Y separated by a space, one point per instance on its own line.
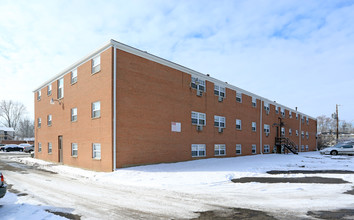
x=121 y=106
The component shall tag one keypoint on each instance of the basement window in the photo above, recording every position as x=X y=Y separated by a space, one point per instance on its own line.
x=198 y=118
x=96 y=64
x=198 y=150
x=219 y=150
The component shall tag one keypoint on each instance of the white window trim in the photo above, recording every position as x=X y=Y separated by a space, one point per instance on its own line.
x=240 y=149
x=50 y=146
x=95 y=151
x=73 y=78
x=72 y=149
x=266 y=128
x=200 y=116
x=39 y=147
x=96 y=108
x=254 y=126
x=254 y=149
x=49 y=120
x=238 y=120
x=39 y=95
x=49 y=89
x=60 y=88
x=39 y=122
x=198 y=84
x=219 y=89
x=239 y=97
x=72 y=115
x=96 y=64
x=199 y=148
x=254 y=102
x=219 y=148
x=266 y=148
x=219 y=120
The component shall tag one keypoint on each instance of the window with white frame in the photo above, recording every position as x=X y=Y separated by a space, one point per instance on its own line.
x=282 y=111
x=239 y=97
x=266 y=148
x=276 y=109
x=219 y=91
x=254 y=125
x=254 y=149
x=238 y=149
x=254 y=102
x=219 y=150
x=74 y=114
x=307 y=135
x=39 y=95
x=219 y=121
x=96 y=64
x=198 y=84
x=297 y=133
x=74 y=76
x=60 y=88
x=290 y=114
x=266 y=128
x=49 y=89
x=96 y=151
x=290 y=132
x=96 y=109
x=283 y=131
x=307 y=147
x=39 y=147
x=198 y=118
x=49 y=120
x=74 y=149
x=297 y=116
x=238 y=124
x=302 y=119
x=266 y=106
x=302 y=134
x=49 y=148
x=39 y=122
x=302 y=148
x=307 y=120
x=198 y=150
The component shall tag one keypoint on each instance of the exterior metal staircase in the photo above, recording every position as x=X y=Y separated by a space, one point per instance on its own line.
x=287 y=144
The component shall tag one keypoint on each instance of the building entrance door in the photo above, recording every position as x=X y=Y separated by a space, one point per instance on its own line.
x=60 y=149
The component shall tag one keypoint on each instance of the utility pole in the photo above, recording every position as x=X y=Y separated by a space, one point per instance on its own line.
x=337 y=120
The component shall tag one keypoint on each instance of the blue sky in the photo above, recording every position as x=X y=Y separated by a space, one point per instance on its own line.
x=298 y=53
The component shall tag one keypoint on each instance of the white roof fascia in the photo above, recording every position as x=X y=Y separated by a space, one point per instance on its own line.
x=6 y=129
x=75 y=65
x=194 y=73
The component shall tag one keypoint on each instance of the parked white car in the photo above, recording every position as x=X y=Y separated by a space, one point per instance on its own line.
x=340 y=148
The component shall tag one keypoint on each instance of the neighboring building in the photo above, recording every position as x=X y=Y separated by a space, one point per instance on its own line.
x=121 y=106
x=6 y=133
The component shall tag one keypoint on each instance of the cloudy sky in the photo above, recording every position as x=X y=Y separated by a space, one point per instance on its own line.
x=298 y=53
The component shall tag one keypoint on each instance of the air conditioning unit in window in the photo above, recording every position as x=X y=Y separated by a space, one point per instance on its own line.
x=221 y=130
x=221 y=99
x=199 y=92
x=267 y=134
x=199 y=128
x=267 y=112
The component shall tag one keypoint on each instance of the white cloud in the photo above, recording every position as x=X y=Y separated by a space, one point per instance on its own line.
x=298 y=53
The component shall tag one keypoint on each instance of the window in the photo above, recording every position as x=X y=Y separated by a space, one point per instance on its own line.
x=96 y=64
x=302 y=119
x=283 y=131
x=238 y=124
x=282 y=110
x=219 y=121
x=290 y=132
x=39 y=94
x=254 y=149
x=302 y=148
x=302 y=134
x=198 y=150
x=277 y=109
x=254 y=124
x=49 y=89
x=74 y=76
x=39 y=147
x=39 y=122
x=60 y=88
x=238 y=149
x=219 y=149
x=96 y=151
x=266 y=129
x=297 y=116
x=307 y=147
x=49 y=148
x=297 y=133
x=96 y=109
x=49 y=120
x=74 y=114
x=266 y=148
x=307 y=135
x=239 y=97
x=74 y=149
x=219 y=91
x=307 y=120
x=198 y=118
x=198 y=84
x=254 y=102
x=266 y=107
x=290 y=114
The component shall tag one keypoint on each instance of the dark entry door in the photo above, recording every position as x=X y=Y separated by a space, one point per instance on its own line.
x=60 y=149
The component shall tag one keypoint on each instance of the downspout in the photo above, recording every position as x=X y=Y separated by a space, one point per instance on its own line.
x=300 y=134
x=260 y=129
x=114 y=106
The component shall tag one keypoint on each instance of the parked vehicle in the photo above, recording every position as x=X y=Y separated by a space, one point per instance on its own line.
x=12 y=147
x=3 y=186
x=1 y=146
x=27 y=147
x=340 y=148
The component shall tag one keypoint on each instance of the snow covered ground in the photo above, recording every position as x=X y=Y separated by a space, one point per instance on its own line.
x=199 y=185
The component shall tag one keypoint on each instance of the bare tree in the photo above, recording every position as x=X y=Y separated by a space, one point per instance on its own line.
x=11 y=113
x=26 y=129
